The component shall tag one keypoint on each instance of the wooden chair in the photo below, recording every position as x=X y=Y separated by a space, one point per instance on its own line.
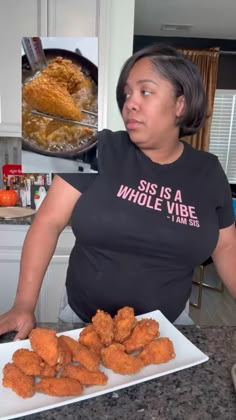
x=201 y=284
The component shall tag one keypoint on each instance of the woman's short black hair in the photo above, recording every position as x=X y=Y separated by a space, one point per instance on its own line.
x=183 y=75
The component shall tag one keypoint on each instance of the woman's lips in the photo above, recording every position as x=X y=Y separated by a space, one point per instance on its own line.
x=133 y=124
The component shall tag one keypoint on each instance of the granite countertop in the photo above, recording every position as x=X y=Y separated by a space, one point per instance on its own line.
x=203 y=392
x=17 y=221
x=20 y=221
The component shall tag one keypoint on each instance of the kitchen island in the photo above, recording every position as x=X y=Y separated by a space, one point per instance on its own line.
x=203 y=392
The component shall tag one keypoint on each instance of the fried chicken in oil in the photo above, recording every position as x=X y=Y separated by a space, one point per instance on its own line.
x=124 y=321
x=89 y=338
x=46 y=95
x=158 y=351
x=62 y=90
x=84 y=376
x=144 y=331
x=114 y=357
x=22 y=384
x=103 y=324
x=59 y=387
x=44 y=342
x=66 y=74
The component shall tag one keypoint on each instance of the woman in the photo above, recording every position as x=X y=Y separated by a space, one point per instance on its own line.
x=156 y=210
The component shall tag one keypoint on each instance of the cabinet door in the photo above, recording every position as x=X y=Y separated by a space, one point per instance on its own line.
x=17 y=19
x=11 y=241
x=52 y=289
x=9 y=269
x=72 y=18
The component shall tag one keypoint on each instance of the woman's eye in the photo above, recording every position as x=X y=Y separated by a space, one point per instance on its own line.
x=146 y=92
x=127 y=95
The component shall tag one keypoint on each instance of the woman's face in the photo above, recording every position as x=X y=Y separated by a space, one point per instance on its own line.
x=151 y=108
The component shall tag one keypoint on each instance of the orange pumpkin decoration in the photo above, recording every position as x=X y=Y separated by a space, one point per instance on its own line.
x=8 y=198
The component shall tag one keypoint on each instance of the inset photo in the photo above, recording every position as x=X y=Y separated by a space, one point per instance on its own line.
x=59 y=104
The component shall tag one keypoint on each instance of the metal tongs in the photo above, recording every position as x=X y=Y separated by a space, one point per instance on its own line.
x=66 y=120
x=35 y=54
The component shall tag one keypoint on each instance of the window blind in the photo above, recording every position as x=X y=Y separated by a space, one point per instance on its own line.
x=223 y=131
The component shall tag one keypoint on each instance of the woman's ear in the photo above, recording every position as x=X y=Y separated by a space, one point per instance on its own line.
x=180 y=106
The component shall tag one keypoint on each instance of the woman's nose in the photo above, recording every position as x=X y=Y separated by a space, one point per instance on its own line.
x=131 y=103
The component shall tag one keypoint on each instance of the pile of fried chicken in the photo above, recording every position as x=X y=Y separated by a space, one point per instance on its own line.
x=62 y=366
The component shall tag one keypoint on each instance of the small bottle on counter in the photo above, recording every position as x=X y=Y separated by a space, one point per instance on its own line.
x=23 y=193
x=39 y=196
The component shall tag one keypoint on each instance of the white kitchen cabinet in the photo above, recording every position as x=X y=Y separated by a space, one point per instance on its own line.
x=72 y=18
x=54 y=281
x=52 y=289
x=9 y=268
x=11 y=240
x=17 y=19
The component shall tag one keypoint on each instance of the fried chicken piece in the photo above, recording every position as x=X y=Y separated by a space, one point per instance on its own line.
x=144 y=331
x=157 y=351
x=89 y=338
x=70 y=342
x=48 y=371
x=84 y=376
x=28 y=361
x=65 y=355
x=87 y=358
x=46 y=95
x=22 y=384
x=32 y=364
x=45 y=343
x=59 y=387
x=103 y=324
x=114 y=357
x=124 y=321
x=65 y=73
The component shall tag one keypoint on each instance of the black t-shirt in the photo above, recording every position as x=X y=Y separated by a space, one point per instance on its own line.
x=142 y=227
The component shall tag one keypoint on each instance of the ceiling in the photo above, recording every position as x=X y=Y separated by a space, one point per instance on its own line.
x=209 y=18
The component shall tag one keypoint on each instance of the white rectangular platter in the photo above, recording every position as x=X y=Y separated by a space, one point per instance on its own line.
x=187 y=355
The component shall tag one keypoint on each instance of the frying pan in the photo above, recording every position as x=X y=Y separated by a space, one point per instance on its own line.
x=89 y=69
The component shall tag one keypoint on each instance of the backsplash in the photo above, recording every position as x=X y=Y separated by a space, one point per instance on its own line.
x=10 y=152
x=29 y=186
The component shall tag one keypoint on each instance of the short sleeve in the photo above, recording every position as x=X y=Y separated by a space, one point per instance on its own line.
x=112 y=148
x=81 y=182
x=224 y=207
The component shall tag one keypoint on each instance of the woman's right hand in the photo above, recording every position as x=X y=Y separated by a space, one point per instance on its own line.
x=17 y=319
